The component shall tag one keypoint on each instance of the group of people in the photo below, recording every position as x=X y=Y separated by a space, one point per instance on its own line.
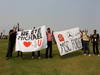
x=94 y=38
x=12 y=41
x=86 y=39
x=3 y=36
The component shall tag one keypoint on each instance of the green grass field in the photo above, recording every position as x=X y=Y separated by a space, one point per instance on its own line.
x=72 y=64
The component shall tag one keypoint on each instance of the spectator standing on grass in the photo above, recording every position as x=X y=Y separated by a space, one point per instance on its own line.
x=1 y=35
x=49 y=43
x=11 y=44
x=86 y=43
x=95 y=41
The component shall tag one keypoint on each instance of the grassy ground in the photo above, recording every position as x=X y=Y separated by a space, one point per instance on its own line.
x=72 y=64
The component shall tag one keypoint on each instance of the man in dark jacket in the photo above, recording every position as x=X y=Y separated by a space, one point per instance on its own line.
x=11 y=44
x=95 y=40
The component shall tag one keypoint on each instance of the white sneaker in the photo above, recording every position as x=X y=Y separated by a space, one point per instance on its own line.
x=32 y=57
x=39 y=57
x=89 y=54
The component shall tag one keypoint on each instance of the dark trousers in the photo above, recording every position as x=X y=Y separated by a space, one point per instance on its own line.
x=11 y=45
x=49 y=49
x=18 y=54
x=38 y=53
x=82 y=43
x=86 y=47
x=95 y=48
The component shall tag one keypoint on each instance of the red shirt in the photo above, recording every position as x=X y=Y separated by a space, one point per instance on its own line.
x=49 y=36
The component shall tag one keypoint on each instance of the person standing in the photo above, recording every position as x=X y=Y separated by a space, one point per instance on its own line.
x=38 y=52
x=1 y=35
x=11 y=44
x=95 y=41
x=19 y=53
x=49 y=44
x=86 y=43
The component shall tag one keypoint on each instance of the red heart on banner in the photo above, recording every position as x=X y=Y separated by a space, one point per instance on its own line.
x=27 y=44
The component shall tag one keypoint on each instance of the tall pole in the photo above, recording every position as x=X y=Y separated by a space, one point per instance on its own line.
x=18 y=28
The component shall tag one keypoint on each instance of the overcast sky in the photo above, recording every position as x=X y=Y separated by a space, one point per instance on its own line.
x=57 y=14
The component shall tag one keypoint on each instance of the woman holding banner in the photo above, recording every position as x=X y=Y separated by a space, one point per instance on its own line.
x=38 y=52
x=49 y=43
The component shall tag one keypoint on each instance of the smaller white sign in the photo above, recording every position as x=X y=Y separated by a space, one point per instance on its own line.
x=68 y=40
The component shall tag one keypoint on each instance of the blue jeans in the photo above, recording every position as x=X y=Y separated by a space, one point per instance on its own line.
x=86 y=47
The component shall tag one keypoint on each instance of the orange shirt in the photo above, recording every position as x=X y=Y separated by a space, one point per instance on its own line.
x=49 y=36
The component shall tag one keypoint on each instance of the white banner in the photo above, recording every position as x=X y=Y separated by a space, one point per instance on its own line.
x=31 y=40
x=68 y=40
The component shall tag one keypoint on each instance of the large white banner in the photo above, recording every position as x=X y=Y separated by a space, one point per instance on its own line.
x=68 y=40
x=31 y=40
